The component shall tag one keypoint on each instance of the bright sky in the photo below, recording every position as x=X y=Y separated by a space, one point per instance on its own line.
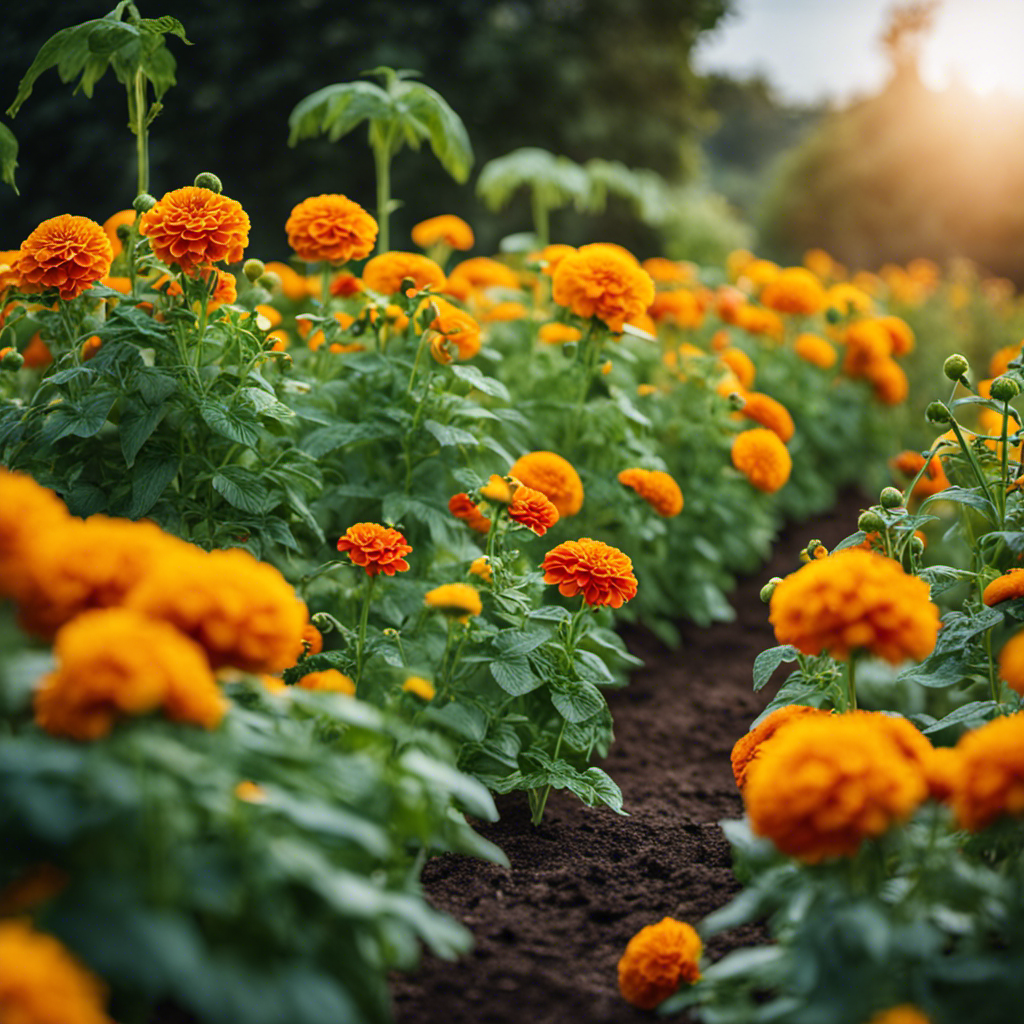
x=828 y=49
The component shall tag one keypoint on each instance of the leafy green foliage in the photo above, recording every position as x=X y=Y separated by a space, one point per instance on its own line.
x=8 y=157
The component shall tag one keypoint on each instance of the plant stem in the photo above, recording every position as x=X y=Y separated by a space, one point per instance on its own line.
x=973 y=460
x=851 y=678
x=538 y=805
x=540 y=221
x=141 y=132
x=992 y=682
x=361 y=637
x=382 y=163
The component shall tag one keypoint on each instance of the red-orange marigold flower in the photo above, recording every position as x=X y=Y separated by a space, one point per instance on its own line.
x=657 y=960
x=331 y=229
x=601 y=573
x=378 y=549
x=462 y=507
x=909 y=463
x=656 y=487
x=196 y=227
x=597 y=281
x=386 y=272
x=532 y=509
x=67 y=253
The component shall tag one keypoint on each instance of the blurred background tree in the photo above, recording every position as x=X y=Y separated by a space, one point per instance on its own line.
x=584 y=78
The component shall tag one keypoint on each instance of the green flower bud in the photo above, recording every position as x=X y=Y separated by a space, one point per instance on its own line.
x=322 y=621
x=569 y=349
x=870 y=522
x=736 y=401
x=143 y=202
x=206 y=179
x=812 y=544
x=938 y=413
x=253 y=269
x=955 y=366
x=833 y=316
x=917 y=545
x=12 y=360
x=123 y=231
x=890 y=497
x=269 y=280
x=1004 y=389
x=769 y=588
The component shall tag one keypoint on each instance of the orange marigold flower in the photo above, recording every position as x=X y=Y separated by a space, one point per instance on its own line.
x=888 y=381
x=386 y=272
x=762 y=458
x=601 y=573
x=250 y=792
x=37 y=354
x=559 y=334
x=378 y=549
x=241 y=611
x=505 y=312
x=311 y=641
x=462 y=507
x=1000 y=361
x=9 y=277
x=532 y=509
x=794 y=290
x=28 y=511
x=482 y=567
x=422 y=688
x=499 y=490
x=943 y=772
x=483 y=272
x=645 y=390
x=42 y=983
x=224 y=288
x=657 y=488
x=456 y=600
x=904 y=1014
x=330 y=229
x=900 y=333
x=117 y=662
x=268 y=317
x=747 y=749
x=936 y=765
x=991 y=782
x=123 y=218
x=756 y=320
x=67 y=253
x=815 y=350
x=679 y=307
x=554 y=477
x=597 y=281
x=769 y=413
x=446 y=229
x=196 y=227
x=330 y=680
x=293 y=284
x=741 y=365
x=90 y=347
x=847 y=299
x=344 y=286
x=643 y=323
x=826 y=783
x=909 y=463
x=736 y=261
x=669 y=272
x=657 y=960
x=458 y=328
x=820 y=263
x=761 y=272
x=868 y=343
x=1011 y=663
x=1007 y=587
x=855 y=600
x=552 y=255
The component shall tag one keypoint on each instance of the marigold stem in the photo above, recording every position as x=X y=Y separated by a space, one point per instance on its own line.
x=361 y=638
x=141 y=132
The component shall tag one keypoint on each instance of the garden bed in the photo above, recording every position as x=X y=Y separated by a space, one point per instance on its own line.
x=550 y=931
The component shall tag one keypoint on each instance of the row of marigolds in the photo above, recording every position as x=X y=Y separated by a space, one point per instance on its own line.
x=888 y=869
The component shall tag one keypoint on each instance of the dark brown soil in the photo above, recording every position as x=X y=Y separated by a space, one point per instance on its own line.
x=549 y=931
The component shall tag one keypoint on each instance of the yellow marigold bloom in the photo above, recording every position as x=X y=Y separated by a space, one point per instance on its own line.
x=27 y=512
x=657 y=960
x=482 y=567
x=679 y=306
x=855 y=600
x=759 y=321
x=67 y=253
x=195 y=228
x=456 y=600
x=769 y=413
x=386 y=272
x=670 y=273
x=820 y=263
x=601 y=573
x=446 y=229
x=848 y=299
x=815 y=350
x=644 y=390
x=330 y=680
x=422 y=688
x=293 y=284
x=1011 y=663
x=552 y=255
x=1000 y=361
x=122 y=218
x=500 y=490
x=115 y=662
x=559 y=334
x=888 y=381
x=42 y=983
x=241 y=611
x=554 y=477
x=250 y=792
x=900 y=333
x=330 y=229
x=762 y=458
x=483 y=272
x=457 y=327
x=503 y=312
x=741 y=365
x=904 y=1014
x=761 y=272
x=657 y=488
x=748 y=748
x=794 y=290
x=826 y=783
x=597 y=281
x=1007 y=587
x=991 y=783
x=736 y=261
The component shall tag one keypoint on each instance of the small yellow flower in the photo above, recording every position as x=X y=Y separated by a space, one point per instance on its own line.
x=250 y=792
x=500 y=490
x=456 y=600
x=482 y=567
x=419 y=686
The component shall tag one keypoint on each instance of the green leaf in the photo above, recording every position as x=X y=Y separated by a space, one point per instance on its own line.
x=467 y=791
x=137 y=423
x=463 y=719
x=336 y=109
x=152 y=472
x=328 y=439
x=962 y=496
x=768 y=661
x=130 y=324
x=81 y=419
x=8 y=157
x=554 y=180
x=429 y=116
x=592 y=669
x=971 y=716
x=594 y=787
x=576 y=701
x=450 y=436
x=512 y=642
x=241 y=488
x=481 y=382
x=240 y=426
x=514 y=676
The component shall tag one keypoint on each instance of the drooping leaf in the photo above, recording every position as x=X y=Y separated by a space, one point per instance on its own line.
x=8 y=157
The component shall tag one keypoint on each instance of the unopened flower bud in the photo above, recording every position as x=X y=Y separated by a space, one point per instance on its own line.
x=270 y=281
x=11 y=359
x=322 y=621
x=917 y=545
x=123 y=231
x=937 y=413
x=890 y=497
x=769 y=588
x=832 y=315
x=1004 y=389
x=870 y=522
x=812 y=544
x=207 y=179
x=569 y=349
x=253 y=269
x=143 y=202
x=736 y=401
x=955 y=366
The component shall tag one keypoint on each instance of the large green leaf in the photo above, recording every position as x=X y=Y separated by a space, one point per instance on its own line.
x=554 y=180
x=435 y=121
x=336 y=109
x=8 y=157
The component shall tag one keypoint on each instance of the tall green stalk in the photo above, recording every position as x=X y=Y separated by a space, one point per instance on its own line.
x=141 y=129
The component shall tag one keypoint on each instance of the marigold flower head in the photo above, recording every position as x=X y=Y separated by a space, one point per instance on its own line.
x=855 y=600
x=760 y=272
x=506 y=312
x=37 y=354
x=500 y=490
x=991 y=782
x=417 y=685
x=740 y=364
x=601 y=573
x=1011 y=663
x=552 y=255
x=1007 y=587
x=482 y=567
x=759 y=321
x=670 y=273
x=345 y=285
x=794 y=290
x=678 y=306
x=195 y=228
x=67 y=253
x=656 y=487
x=554 y=477
x=330 y=229
x=532 y=509
x=250 y=792
x=456 y=600
x=330 y=680
x=597 y=281
x=241 y=611
x=888 y=381
x=736 y=261
x=909 y=463
x=378 y=549
x=462 y=507
x=446 y=229
x=868 y=343
x=293 y=284
x=311 y=641
x=848 y=299
x=814 y=349
x=483 y=272
x=769 y=413
x=1000 y=361
x=386 y=272
x=123 y=218
x=642 y=322
x=904 y=1014
x=27 y=511
x=821 y=264
x=559 y=334
x=116 y=662
x=900 y=333
x=762 y=458
x=826 y=783
x=657 y=960
x=935 y=765
x=90 y=347
x=457 y=327
x=42 y=983
x=747 y=749
x=225 y=288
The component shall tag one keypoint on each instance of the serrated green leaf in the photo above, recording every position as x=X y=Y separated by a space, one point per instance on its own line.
x=450 y=436
x=576 y=701
x=971 y=716
x=136 y=426
x=238 y=425
x=768 y=661
x=473 y=376
x=514 y=675
x=151 y=474
x=241 y=488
